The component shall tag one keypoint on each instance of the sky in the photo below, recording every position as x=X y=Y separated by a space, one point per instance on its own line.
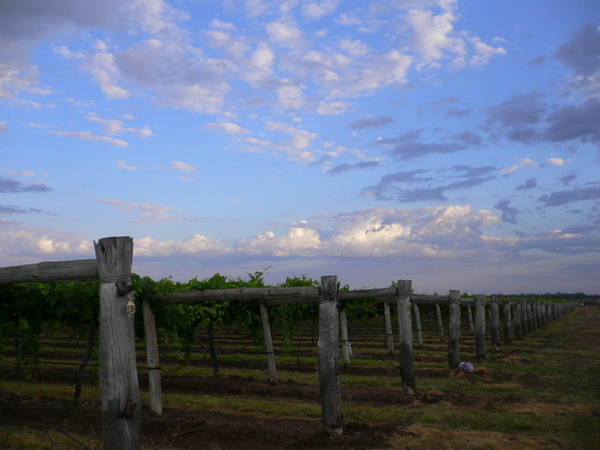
x=452 y=143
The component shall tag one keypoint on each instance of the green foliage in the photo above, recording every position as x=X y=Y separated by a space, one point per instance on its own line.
x=27 y=308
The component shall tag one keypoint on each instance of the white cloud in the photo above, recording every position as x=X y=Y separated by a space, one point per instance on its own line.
x=148 y=212
x=333 y=108
x=300 y=240
x=122 y=164
x=316 y=10
x=556 y=161
x=179 y=165
x=434 y=38
x=196 y=245
x=226 y=127
x=29 y=244
x=285 y=35
x=102 y=66
x=440 y=231
x=115 y=127
x=89 y=136
x=354 y=48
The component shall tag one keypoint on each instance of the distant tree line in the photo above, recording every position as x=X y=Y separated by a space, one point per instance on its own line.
x=557 y=295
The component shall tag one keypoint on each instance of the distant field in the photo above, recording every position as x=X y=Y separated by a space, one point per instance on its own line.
x=541 y=392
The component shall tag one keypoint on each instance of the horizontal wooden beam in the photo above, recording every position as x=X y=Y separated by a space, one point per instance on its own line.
x=79 y=270
x=272 y=296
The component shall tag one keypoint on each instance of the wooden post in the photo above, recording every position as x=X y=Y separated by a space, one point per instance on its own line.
x=507 y=322
x=388 y=327
x=152 y=360
x=329 y=355
x=344 y=338
x=519 y=319
x=495 y=322
x=418 y=324
x=454 y=330
x=480 y=348
x=526 y=308
x=119 y=389
x=438 y=310
x=470 y=316
x=266 y=327
x=407 y=364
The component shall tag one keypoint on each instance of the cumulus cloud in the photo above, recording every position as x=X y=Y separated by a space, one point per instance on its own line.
x=22 y=244
x=434 y=38
x=380 y=232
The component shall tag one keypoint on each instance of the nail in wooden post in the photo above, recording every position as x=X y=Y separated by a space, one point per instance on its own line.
x=495 y=322
x=507 y=322
x=329 y=355
x=152 y=360
x=480 y=348
x=407 y=363
x=454 y=330
x=119 y=389
x=388 y=327
x=344 y=337
x=266 y=327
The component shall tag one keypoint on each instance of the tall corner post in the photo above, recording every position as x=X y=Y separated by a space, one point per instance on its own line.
x=329 y=355
x=119 y=389
x=407 y=362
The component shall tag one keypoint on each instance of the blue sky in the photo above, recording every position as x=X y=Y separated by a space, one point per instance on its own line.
x=454 y=143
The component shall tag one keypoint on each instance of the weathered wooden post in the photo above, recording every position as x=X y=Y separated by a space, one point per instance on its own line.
x=407 y=364
x=388 y=327
x=519 y=319
x=438 y=310
x=346 y=346
x=470 y=317
x=480 y=347
x=544 y=312
x=507 y=322
x=152 y=359
x=495 y=322
x=454 y=330
x=119 y=389
x=418 y=324
x=528 y=322
x=329 y=355
x=266 y=327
